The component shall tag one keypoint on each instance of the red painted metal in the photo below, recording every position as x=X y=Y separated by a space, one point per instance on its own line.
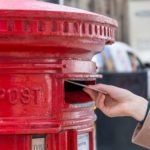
x=41 y=46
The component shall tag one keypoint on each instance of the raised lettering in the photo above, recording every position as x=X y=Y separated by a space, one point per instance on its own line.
x=25 y=96
x=36 y=92
x=13 y=95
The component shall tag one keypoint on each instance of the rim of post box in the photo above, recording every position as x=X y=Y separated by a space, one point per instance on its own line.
x=37 y=24
x=69 y=24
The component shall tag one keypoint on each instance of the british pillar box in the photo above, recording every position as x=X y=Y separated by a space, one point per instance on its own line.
x=41 y=46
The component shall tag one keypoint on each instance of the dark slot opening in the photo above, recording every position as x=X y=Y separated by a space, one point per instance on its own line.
x=34 y=136
x=75 y=94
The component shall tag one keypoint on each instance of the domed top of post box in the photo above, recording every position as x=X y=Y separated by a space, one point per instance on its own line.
x=58 y=30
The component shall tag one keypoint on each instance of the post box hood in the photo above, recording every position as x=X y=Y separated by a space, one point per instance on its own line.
x=38 y=5
x=33 y=23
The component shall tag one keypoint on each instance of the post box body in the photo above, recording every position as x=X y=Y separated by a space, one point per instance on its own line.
x=42 y=45
x=36 y=106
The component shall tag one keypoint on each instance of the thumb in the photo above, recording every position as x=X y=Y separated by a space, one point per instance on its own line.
x=91 y=93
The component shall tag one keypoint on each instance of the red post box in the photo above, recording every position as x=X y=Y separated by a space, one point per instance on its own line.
x=41 y=46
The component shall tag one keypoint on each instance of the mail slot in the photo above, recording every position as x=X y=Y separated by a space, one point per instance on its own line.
x=43 y=45
x=75 y=93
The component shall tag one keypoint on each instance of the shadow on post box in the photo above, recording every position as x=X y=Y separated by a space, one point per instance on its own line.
x=116 y=133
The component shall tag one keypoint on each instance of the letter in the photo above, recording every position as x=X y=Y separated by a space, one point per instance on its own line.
x=25 y=96
x=36 y=91
x=13 y=95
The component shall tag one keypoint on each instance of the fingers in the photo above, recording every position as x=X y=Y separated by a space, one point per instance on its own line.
x=97 y=101
x=110 y=104
x=103 y=87
x=111 y=90
x=98 y=97
x=92 y=93
x=100 y=101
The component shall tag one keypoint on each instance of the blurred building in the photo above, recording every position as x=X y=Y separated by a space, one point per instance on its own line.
x=116 y=9
x=139 y=27
x=133 y=17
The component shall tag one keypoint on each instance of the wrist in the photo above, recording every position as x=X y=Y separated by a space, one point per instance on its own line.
x=139 y=107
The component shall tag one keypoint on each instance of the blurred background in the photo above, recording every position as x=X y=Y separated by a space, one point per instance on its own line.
x=133 y=17
x=126 y=63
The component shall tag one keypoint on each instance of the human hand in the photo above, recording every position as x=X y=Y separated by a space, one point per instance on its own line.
x=118 y=102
